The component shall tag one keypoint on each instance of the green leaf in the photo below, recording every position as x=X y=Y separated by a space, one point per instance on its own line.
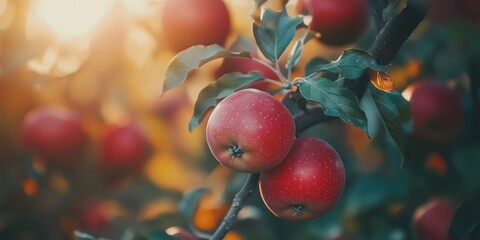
x=352 y=64
x=394 y=8
x=224 y=86
x=466 y=219
x=312 y=65
x=394 y=110
x=297 y=49
x=190 y=201
x=191 y=59
x=275 y=32
x=336 y=101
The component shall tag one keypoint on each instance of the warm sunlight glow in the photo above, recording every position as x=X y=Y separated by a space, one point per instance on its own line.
x=7 y=14
x=139 y=7
x=71 y=18
x=407 y=93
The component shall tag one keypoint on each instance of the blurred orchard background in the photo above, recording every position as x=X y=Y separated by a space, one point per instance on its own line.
x=100 y=65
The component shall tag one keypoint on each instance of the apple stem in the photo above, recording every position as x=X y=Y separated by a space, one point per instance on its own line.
x=235 y=151
x=297 y=209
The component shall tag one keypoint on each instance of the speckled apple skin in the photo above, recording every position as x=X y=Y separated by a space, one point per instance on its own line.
x=261 y=126
x=312 y=176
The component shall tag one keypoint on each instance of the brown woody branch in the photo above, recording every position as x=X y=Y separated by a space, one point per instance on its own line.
x=385 y=47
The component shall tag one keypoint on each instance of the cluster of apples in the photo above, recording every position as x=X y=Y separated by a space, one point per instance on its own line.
x=300 y=178
x=57 y=134
x=186 y=23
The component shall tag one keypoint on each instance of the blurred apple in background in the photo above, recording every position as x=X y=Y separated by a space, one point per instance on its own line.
x=186 y=23
x=445 y=11
x=436 y=111
x=92 y=217
x=469 y=9
x=99 y=216
x=431 y=220
x=340 y=22
x=169 y=106
x=440 y=11
x=55 y=133
x=124 y=149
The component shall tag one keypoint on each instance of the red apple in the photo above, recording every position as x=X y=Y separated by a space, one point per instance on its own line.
x=250 y=131
x=194 y=22
x=92 y=216
x=55 y=133
x=440 y=11
x=431 y=220
x=470 y=10
x=339 y=22
x=307 y=184
x=124 y=149
x=436 y=111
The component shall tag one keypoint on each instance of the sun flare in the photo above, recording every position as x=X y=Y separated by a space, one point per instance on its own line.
x=69 y=19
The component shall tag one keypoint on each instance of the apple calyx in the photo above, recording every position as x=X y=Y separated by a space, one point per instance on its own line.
x=297 y=208
x=235 y=151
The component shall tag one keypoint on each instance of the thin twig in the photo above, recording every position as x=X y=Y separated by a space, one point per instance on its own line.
x=230 y=219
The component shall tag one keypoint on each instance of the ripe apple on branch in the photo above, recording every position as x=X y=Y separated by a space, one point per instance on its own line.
x=249 y=131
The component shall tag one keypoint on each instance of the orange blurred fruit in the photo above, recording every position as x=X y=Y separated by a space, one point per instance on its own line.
x=210 y=213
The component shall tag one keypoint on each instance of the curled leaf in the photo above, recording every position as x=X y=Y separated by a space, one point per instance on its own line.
x=381 y=80
x=352 y=64
x=274 y=32
x=191 y=59
x=336 y=101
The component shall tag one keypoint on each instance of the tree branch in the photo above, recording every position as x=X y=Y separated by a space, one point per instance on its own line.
x=303 y=120
x=386 y=45
x=396 y=32
x=230 y=219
